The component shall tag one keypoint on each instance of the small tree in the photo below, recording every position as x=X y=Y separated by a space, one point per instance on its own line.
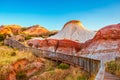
x=21 y=75
x=2 y=37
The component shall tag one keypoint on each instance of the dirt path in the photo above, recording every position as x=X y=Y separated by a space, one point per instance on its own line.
x=109 y=76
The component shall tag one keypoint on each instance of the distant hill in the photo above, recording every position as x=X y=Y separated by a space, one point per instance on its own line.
x=27 y=32
x=36 y=30
x=10 y=29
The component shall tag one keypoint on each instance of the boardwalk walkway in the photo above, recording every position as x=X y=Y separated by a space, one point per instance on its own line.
x=92 y=66
x=109 y=76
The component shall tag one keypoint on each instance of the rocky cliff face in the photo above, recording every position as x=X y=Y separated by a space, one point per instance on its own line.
x=109 y=32
x=68 y=47
x=74 y=30
x=106 y=40
x=54 y=45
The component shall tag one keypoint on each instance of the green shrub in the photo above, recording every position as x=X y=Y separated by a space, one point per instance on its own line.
x=113 y=67
x=63 y=66
x=2 y=37
x=81 y=78
x=13 y=54
x=1 y=43
x=28 y=37
x=24 y=28
x=21 y=75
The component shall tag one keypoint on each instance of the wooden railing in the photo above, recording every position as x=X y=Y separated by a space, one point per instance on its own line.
x=117 y=58
x=92 y=66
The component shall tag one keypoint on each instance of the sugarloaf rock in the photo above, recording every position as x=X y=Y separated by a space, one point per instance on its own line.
x=74 y=30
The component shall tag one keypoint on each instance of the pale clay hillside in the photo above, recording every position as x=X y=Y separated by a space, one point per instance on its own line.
x=74 y=30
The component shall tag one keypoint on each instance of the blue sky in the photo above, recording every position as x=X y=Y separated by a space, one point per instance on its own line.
x=53 y=14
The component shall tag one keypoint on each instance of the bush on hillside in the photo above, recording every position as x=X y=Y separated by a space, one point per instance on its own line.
x=21 y=75
x=2 y=37
x=28 y=37
x=63 y=66
x=13 y=54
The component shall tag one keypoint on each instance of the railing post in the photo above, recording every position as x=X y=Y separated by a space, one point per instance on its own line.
x=90 y=66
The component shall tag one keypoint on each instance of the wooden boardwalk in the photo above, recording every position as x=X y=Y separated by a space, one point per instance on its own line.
x=109 y=76
x=92 y=66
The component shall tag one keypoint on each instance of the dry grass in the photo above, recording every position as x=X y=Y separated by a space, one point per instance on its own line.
x=62 y=74
x=9 y=56
x=48 y=66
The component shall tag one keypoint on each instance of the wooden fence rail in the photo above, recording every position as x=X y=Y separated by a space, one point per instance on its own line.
x=92 y=66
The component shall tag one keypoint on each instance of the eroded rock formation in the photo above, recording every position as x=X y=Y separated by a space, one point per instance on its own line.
x=26 y=66
x=54 y=45
x=74 y=30
x=106 y=40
